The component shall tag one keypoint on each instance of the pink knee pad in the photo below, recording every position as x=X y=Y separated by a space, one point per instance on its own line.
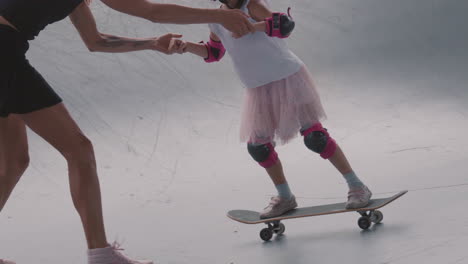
x=317 y=139
x=272 y=158
x=264 y=154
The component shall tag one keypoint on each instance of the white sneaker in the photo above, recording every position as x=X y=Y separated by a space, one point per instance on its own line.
x=358 y=197
x=111 y=255
x=278 y=206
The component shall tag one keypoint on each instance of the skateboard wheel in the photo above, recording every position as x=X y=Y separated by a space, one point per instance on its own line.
x=280 y=229
x=266 y=234
x=364 y=222
x=377 y=217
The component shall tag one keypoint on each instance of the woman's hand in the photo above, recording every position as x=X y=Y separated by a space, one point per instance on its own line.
x=237 y=22
x=178 y=46
x=169 y=44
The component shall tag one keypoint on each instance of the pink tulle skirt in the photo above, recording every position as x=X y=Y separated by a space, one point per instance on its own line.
x=277 y=111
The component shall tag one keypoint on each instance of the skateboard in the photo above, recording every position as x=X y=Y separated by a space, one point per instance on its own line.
x=369 y=215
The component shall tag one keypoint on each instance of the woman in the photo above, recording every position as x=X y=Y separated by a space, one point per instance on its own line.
x=26 y=99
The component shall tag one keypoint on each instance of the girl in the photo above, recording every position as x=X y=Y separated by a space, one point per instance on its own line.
x=280 y=99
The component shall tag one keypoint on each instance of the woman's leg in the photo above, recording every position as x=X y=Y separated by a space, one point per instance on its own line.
x=14 y=158
x=57 y=127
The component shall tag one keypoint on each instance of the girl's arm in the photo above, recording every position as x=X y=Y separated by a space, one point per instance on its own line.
x=83 y=20
x=233 y=20
x=200 y=49
x=273 y=24
x=259 y=10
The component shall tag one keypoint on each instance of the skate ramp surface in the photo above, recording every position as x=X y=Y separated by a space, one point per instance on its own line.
x=393 y=81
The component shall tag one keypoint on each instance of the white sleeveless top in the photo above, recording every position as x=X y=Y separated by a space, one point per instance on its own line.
x=258 y=58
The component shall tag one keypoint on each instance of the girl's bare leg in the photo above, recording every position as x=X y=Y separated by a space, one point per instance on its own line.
x=340 y=162
x=285 y=200
x=267 y=157
x=276 y=173
x=358 y=195
x=57 y=127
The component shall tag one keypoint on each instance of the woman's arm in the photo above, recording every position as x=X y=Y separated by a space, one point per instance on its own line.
x=233 y=20
x=84 y=22
x=259 y=11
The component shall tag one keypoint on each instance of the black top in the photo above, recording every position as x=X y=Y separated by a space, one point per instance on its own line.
x=32 y=16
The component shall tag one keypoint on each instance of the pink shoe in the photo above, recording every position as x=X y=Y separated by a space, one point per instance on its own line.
x=6 y=262
x=111 y=255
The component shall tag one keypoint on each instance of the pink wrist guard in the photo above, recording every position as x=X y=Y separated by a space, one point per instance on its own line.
x=279 y=25
x=215 y=50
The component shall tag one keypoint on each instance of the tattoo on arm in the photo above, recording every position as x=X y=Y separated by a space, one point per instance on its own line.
x=84 y=21
x=116 y=42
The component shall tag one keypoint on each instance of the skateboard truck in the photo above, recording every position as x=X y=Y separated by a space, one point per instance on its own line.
x=274 y=227
x=373 y=216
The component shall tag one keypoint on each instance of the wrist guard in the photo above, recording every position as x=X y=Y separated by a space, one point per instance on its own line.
x=279 y=25
x=215 y=50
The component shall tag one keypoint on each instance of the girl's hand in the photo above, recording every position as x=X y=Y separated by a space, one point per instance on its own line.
x=177 y=46
x=166 y=43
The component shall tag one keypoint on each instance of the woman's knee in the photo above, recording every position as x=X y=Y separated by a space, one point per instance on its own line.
x=23 y=161
x=11 y=174
x=14 y=168
x=80 y=150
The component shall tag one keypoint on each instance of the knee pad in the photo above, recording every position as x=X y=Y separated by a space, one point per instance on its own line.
x=318 y=140
x=264 y=154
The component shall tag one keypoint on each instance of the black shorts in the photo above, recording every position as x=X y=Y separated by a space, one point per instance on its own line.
x=22 y=89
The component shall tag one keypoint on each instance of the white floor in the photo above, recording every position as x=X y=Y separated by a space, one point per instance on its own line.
x=393 y=78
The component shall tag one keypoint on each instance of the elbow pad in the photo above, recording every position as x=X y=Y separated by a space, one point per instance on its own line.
x=279 y=25
x=215 y=50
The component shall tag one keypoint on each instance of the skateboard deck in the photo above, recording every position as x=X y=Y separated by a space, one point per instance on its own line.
x=369 y=214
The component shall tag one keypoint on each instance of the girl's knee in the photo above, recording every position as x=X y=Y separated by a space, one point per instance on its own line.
x=264 y=154
x=317 y=139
